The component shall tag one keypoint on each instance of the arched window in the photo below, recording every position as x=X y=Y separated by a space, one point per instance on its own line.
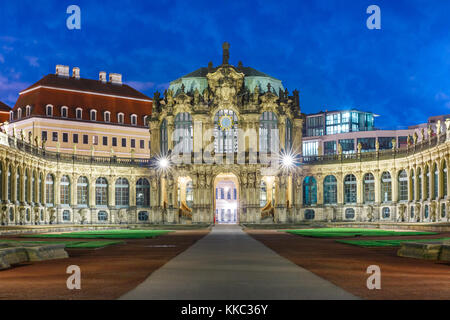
x=66 y=215
x=349 y=213
x=28 y=111
x=350 y=189
x=419 y=183
x=49 y=190
x=411 y=212
x=101 y=192
x=102 y=216
x=164 y=141
x=386 y=213
x=142 y=193
x=268 y=132
x=386 y=187
x=413 y=184
x=443 y=210
x=120 y=118
x=133 y=119
x=79 y=113
x=330 y=190
x=426 y=176
x=183 y=135
x=64 y=112
x=309 y=214
x=403 y=186
x=11 y=214
x=369 y=188
x=19 y=113
x=28 y=215
x=64 y=188
x=122 y=193
x=18 y=189
x=93 y=115
x=288 y=137
x=33 y=187
x=190 y=194
x=225 y=132
x=143 y=216
x=107 y=116
x=25 y=186
x=444 y=179
x=426 y=212
x=9 y=183
x=309 y=191
x=82 y=191
x=49 y=111
x=41 y=194
x=263 y=194
x=436 y=182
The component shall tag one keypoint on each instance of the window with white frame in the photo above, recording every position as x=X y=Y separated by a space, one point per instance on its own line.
x=64 y=112
x=28 y=111
x=120 y=118
x=49 y=111
x=134 y=119
x=93 y=116
x=79 y=113
x=107 y=116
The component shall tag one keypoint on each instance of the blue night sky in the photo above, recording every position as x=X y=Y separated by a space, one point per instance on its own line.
x=322 y=48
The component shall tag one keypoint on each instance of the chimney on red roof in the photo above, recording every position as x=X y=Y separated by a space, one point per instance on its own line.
x=76 y=73
x=102 y=76
x=115 y=78
x=62 y=71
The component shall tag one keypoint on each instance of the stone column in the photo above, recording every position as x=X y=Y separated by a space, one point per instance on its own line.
x=155 y=137
x=73 y=201
x=111 y=191
x=359 y=188
x=377 y=186
x=170 y=130
x=282 y=131
x=394 y=181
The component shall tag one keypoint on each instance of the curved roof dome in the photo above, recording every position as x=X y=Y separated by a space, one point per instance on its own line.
x=197 y=80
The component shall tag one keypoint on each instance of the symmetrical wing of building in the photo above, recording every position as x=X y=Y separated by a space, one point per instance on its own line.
x=224 y=144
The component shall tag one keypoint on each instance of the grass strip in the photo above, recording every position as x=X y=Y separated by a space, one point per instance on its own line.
x=386 y=243
x=353 y=232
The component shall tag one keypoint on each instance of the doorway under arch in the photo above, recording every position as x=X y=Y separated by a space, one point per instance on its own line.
x=226 y=199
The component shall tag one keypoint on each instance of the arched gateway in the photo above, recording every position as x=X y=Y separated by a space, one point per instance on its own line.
x=226 y=199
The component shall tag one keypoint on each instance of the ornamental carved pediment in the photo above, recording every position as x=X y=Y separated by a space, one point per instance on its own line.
x=225 y=83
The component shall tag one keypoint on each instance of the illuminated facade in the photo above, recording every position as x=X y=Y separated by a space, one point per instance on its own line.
x=223 y=148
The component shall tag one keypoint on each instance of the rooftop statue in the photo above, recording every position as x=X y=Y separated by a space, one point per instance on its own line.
x=226 y=52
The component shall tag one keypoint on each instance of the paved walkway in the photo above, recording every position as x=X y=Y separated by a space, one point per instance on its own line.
x=229 y=264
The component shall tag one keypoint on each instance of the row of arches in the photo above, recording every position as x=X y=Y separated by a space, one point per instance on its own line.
x=412 y=185
x=31 y=187
x=226 y=124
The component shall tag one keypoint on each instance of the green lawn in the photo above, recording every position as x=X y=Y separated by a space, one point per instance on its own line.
x=385 y=243
x=104 y=234
x=353 y=232
x=71 y=244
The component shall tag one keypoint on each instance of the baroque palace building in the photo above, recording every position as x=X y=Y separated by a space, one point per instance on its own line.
x=222 y=145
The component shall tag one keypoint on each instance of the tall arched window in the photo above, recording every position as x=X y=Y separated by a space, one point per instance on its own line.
x=403 y=186
x=9 y=183
x=33 y=187
x=64 y=188
x=49 y=190
x=225 y=132
x=309 y=191
x=18 y=189
x=426 y=176
x=25 y=186
x=419 y=183
x=268 y=132
x=413 y=184
x=263 y=194
x=436 y=182
x=350 y=189
x=190 y=194
x=101 y=192
x=369 y=188
x=142 y=193
x=122 y=193
x=444 y=179
x=386 y=187
x=183 y=135
x=288 y=137
x=164 y=141
x=40 y=196
x=82 y=191
x=330 y=190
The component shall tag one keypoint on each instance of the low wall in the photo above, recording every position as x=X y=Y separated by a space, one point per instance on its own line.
x=16 y=253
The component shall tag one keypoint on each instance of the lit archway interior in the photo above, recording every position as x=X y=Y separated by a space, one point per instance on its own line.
x=226 y=199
